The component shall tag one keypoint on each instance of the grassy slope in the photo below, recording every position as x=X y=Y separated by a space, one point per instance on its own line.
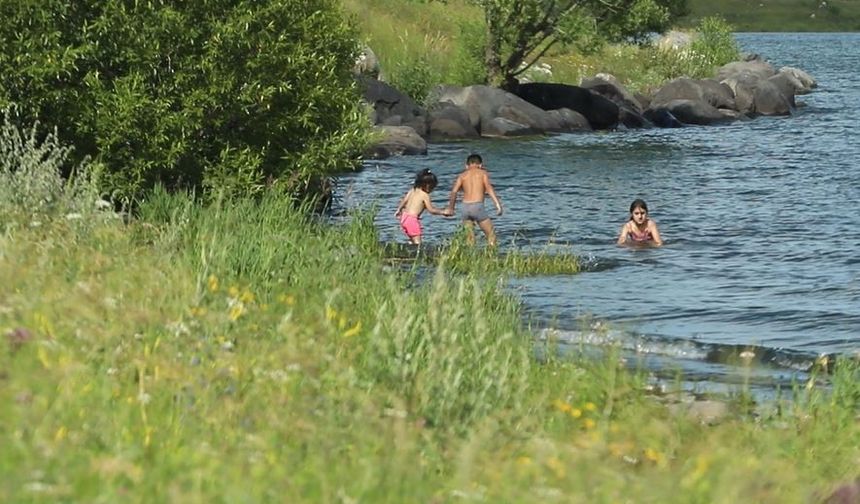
x=273 y=360
x=780 y=15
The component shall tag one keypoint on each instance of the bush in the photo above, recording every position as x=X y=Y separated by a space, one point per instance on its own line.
x=32 y=186
x=203 y=93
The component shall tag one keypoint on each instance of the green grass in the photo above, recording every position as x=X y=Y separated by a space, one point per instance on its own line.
x=246 y=352
x=780 y=15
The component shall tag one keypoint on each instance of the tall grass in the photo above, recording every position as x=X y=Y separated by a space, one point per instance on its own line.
x=245 y=351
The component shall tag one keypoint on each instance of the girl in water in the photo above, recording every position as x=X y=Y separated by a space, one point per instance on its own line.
x=639 y=230
x=413 y=204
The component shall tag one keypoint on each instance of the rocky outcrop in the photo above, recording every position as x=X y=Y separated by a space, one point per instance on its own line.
x=600 y=112
x=392 y=107
x=395 y=141
x=741 y=89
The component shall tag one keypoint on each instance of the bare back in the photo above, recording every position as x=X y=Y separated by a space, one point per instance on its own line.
x=474 y=182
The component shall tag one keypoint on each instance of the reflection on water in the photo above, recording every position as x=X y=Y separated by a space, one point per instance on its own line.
x=758 y=217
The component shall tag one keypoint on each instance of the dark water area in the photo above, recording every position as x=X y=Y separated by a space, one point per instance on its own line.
x=758 y=217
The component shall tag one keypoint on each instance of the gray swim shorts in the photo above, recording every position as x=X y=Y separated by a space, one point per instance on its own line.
x=474 y=212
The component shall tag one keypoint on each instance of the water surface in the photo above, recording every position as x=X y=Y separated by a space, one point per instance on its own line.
x=758 y=217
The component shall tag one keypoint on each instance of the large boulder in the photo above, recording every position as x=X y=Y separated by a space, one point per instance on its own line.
x=449 y=122
x=806 y=80
x=696 y=112
x=662 y=118
x=769 y=100
x=571 y=120
x=601 y=112
x=743 y=88
x=756 y=67
x=504 y=127
x=607 y=85
x=484 y=104
x=392 y=107
x=710 y=91
x=787 y=85
x=395 y=141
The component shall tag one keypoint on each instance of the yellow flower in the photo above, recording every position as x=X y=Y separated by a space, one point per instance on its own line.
x=561 y=406
x=236 y=311
x=576 y=412
x=524 y=461
x=556 y=466
x=653 y=455
x=61 y=434
x=198 y=311
x=330 y=313
x=589 y=406
x=352 y=331
x=589 y=423
x=213 y=283
x=247 y=296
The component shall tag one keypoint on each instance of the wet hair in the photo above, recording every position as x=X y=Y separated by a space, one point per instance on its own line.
x=638 y=203
x=474 y=159
x=425 y=179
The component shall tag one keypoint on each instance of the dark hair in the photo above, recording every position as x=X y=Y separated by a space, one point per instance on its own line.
x=638 y=203
x=474 y=159
x=425 y=179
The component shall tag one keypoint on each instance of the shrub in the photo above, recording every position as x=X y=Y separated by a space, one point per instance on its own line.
x=32 y=186
x=203 y=93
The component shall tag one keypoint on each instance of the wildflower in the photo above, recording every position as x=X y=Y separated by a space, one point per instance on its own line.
x=524 y=461
x=556 y=466
x=213 y=283
x=653 y=455
x=236 y=310
x=588 y=423
x=589 y=406
x=247 y=296
x=233 y=291
x=17 y=337
x=562 y=406
x=352 y=331
x=287 y=299
x=330 y=313
x=61 y=433
x=197 y=311
x=576 y=413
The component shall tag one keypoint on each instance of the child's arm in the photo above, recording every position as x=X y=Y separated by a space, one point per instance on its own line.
x=622 y=236
x=452 y=197
x=402 y=203
x=488 y=188
x=654 y=233
x=428 y=205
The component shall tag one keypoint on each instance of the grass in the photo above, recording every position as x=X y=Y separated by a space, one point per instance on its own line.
x=780 y=15
x=246 y=352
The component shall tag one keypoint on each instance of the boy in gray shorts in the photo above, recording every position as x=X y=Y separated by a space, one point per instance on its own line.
x=474 y=181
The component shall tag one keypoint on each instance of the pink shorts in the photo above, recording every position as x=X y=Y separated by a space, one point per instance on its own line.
x=410 y=225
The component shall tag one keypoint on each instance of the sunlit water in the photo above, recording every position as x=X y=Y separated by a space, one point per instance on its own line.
x=759 y=218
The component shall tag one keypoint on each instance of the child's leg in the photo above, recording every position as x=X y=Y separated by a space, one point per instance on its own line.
x=416 y=240
x=487 y=227
x=470 y=232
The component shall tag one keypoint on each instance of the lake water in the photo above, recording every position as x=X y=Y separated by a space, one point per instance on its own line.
x=762 y=244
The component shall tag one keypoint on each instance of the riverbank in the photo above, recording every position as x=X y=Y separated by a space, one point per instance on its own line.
x=277 y=356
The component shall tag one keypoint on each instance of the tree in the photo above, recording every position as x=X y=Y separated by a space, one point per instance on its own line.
x=227 y=94
x=520 y=32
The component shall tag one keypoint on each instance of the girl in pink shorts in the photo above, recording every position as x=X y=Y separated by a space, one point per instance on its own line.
x=415 y=202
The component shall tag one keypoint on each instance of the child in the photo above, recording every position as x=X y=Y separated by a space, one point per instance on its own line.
x=413 y=204
x=639 y=230
x=475 y=184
